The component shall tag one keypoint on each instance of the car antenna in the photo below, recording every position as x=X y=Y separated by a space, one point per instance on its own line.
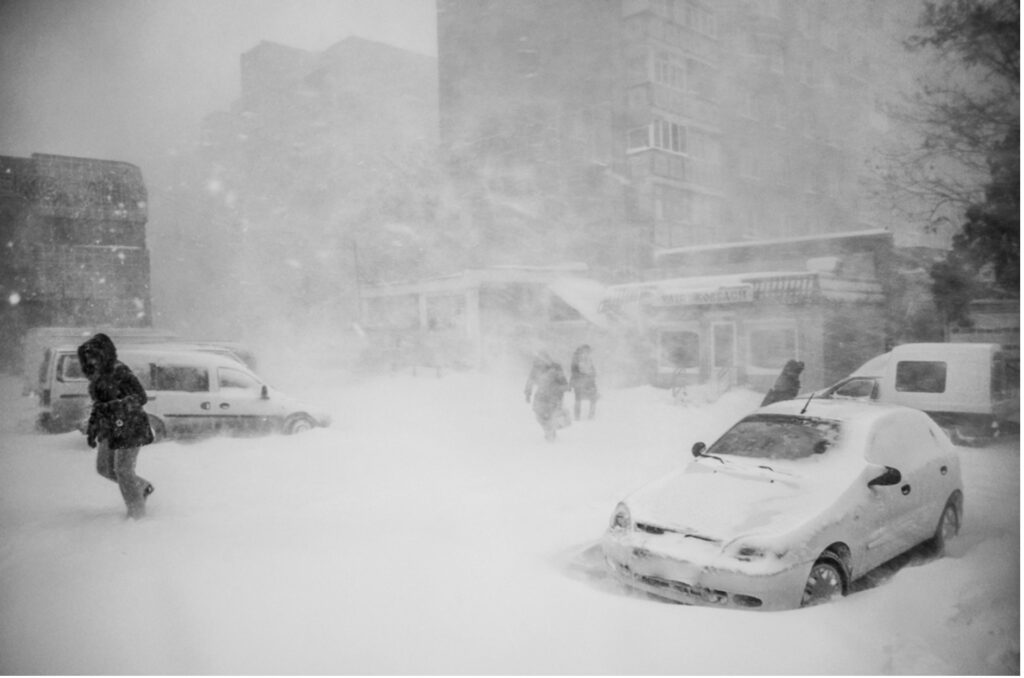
x=807 y=403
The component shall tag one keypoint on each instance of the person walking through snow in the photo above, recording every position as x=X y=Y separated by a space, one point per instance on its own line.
x=118 y=424
x=583 y=380
x=545 y=387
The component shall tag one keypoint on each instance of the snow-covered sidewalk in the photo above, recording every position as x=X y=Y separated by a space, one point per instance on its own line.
x=432 y=530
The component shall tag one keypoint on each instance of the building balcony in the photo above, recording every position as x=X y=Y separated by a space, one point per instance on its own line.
x=684 y=170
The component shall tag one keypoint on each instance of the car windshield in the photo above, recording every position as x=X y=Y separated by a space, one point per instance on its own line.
x=777 y=436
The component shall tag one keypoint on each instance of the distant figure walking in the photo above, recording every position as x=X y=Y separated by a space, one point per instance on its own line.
x=118 y=425
x=545 y=388
x=583 y=380
x=787 y=385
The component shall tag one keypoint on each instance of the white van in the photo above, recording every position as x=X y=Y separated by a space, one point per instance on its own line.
x=191 y=392
x=968 y=388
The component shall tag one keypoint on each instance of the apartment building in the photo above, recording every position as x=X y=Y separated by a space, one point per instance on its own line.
x=686 y=123
x=75 y=241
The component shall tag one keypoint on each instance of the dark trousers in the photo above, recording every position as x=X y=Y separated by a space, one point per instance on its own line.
x=119 y=466
x=581 y=395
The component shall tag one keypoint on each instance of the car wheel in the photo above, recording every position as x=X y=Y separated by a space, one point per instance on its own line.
x=824 y=583
x=948 y=527
x=298 y=424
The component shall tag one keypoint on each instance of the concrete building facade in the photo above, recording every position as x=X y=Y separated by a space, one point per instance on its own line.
x=688 y=122
x=74 y=244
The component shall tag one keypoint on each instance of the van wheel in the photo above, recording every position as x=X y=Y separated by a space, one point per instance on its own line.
x=159 y=432
x=299 y=423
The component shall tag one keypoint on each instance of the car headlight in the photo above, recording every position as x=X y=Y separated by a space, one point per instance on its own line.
x=621 y=519
x=748 y=552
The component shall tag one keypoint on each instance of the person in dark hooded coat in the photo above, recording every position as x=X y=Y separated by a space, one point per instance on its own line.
x=787 y=385
x=545 y=388
x=118 y=424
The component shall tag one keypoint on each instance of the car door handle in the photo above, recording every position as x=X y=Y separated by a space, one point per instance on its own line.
x=225 y=406
x=905 y=489
x=205 y=405
x=944 y=470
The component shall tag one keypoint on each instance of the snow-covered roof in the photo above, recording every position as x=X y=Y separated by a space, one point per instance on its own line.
x=472 y=277
x=778 y=241
x=781 y=286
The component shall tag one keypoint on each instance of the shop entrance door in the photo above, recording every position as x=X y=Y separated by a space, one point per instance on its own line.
x=723 y=356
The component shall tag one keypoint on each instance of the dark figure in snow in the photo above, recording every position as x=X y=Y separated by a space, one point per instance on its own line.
x=787 y=385
x=545 y=387
x=118 y=425
x=583 y=379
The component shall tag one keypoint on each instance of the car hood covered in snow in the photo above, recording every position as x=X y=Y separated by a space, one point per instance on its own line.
x=720 y=501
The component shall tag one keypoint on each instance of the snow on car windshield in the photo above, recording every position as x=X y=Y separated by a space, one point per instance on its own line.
x=777 y=436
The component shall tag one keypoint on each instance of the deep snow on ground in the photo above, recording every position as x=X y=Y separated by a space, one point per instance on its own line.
x=431 y=530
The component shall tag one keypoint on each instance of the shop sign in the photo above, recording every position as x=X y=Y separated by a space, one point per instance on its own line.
x=734 y=294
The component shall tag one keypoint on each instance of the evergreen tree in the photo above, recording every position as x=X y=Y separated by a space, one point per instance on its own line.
x=973 y=116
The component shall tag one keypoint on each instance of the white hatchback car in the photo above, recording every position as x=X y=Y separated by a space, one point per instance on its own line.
x=789 y=506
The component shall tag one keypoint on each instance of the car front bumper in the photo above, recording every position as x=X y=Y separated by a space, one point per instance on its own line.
x=700 y=577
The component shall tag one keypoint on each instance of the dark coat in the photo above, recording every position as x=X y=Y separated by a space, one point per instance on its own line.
x=117 y=398
x=787 y=385
x=548 y=378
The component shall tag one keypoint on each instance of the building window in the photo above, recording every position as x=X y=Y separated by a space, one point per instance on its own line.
x=668 y=70
x=679 y=350
x=638 y=138
x=669 y=136
x=446 y=312
x=673 y=204
x=637 y=67
x=770 y=346
x=393 y=312
x=700 y=78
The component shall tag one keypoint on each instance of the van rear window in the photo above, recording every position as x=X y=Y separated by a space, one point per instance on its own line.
x=180 y=378
x=921 y=376
x=69 y=368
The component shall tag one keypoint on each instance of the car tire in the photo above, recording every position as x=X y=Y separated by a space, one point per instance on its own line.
x=825 y=582
x=298 y=424
x=948 y=527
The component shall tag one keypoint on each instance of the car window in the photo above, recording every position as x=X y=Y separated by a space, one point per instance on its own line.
x=180 y=378
x=143 y=372
x=228 y=378
x=859 y=387
x=921 y=376
x=778 y=436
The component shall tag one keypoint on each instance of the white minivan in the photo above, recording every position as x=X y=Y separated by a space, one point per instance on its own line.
x=970 y=389
x=191 y=392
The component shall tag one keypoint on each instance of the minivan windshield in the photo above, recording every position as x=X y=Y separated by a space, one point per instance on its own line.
x=778 y=436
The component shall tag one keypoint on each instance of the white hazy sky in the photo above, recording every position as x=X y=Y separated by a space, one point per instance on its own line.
x=131 y=79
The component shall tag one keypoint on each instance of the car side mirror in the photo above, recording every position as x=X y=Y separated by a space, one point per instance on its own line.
x=890 y=476
x=264 y=393
x=698 y=449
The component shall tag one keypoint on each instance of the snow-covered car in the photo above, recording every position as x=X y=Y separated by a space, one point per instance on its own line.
x=789 y=506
